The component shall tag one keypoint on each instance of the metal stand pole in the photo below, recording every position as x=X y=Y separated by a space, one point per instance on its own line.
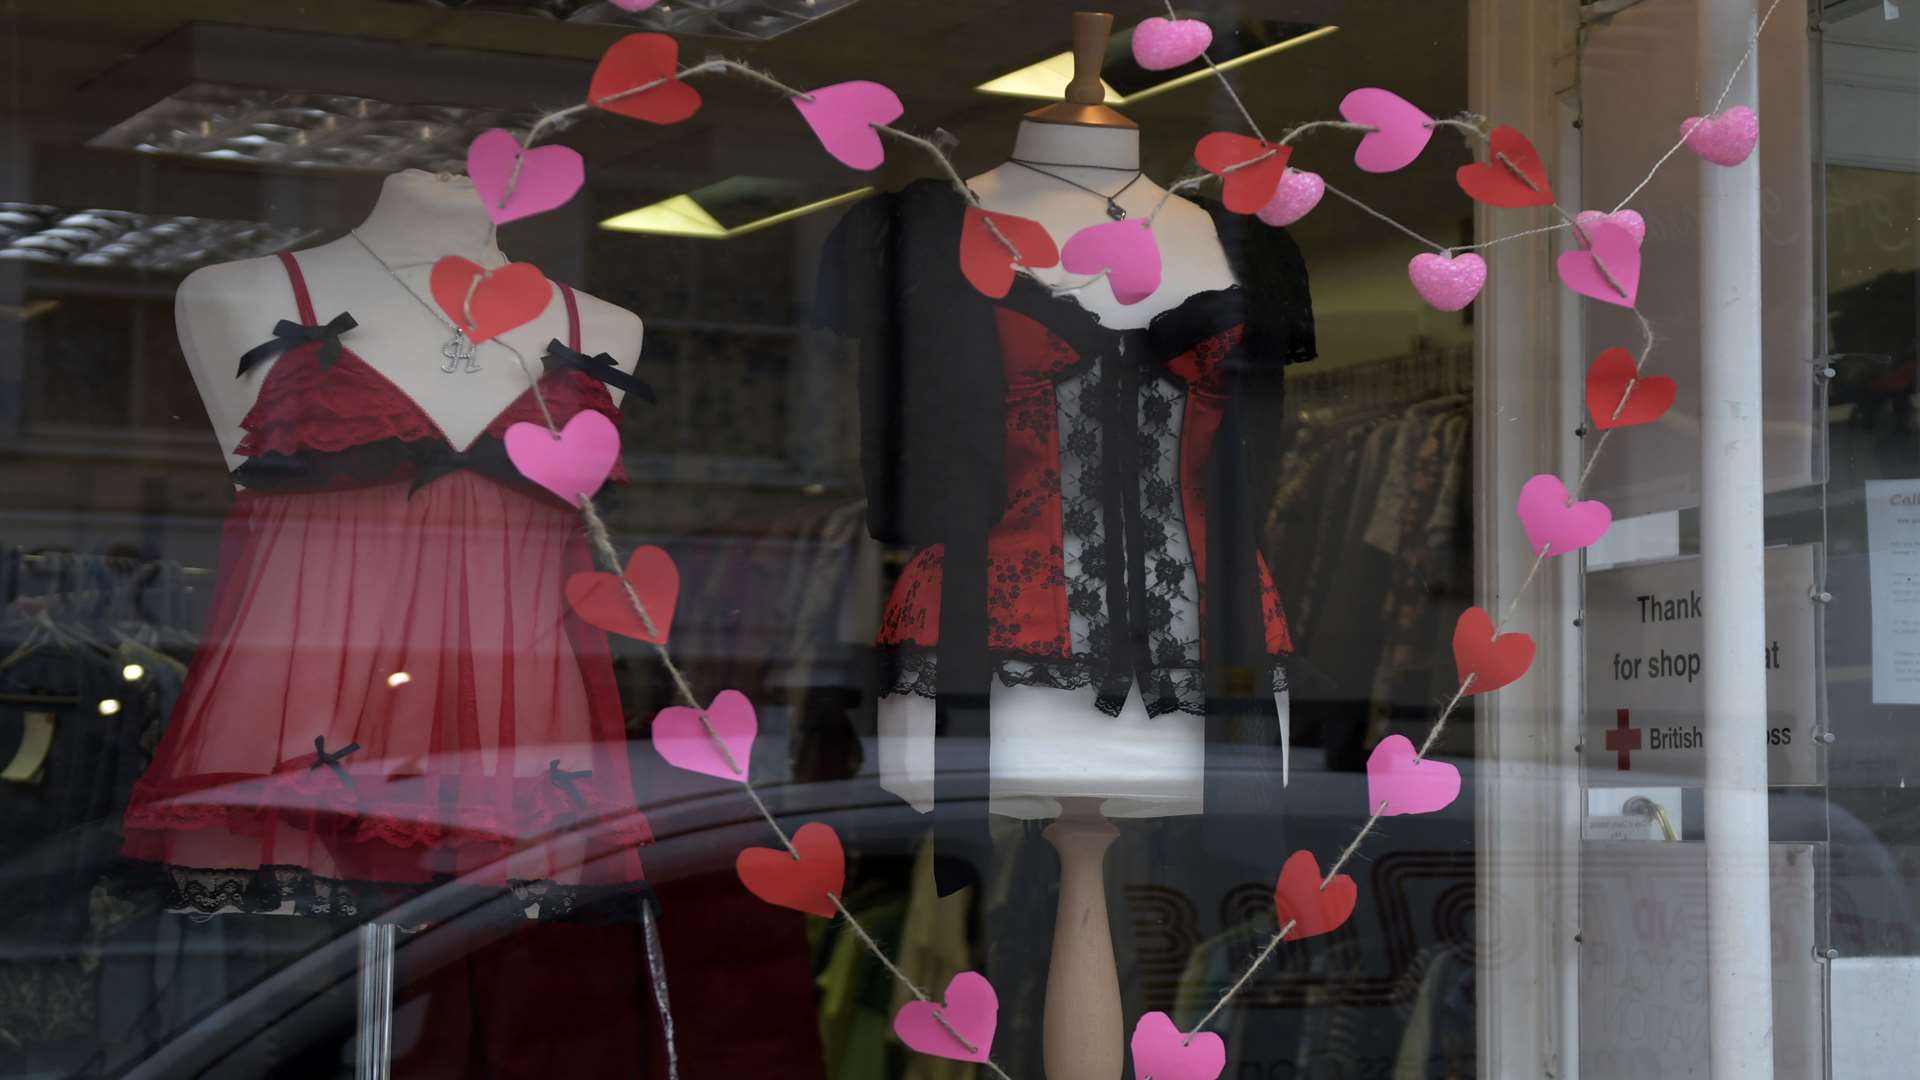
x=373 y=1048
x=1739 y=925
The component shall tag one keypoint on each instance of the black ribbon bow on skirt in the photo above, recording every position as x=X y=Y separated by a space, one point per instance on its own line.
x=563 y=779
x=292 y=335
x=332 y=761
x=599 y=366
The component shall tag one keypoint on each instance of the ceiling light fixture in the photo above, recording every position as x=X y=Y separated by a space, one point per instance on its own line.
x=1047 y=79
x=682 y=215
x=33 y=233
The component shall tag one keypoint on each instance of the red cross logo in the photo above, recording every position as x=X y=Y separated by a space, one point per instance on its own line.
x=1623 y=740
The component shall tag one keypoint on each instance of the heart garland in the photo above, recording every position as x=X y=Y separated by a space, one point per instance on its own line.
x=1512 y=179
x=843 y=116
x=639 y=77
x=548 y=177
x=1249 y=169
x=1619 y=396
x=651 y=61
x=487 y=303
x=572 y=463
x=985 y=261
x=1402 y=782
x=1299 y=899
x=807 y=881
x=960 y=1027
x=1486 y=661
x=601 y=598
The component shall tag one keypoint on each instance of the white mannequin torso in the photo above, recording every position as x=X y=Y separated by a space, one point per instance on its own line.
x=1050 y=744
x=222 y=311
x=1104 y=159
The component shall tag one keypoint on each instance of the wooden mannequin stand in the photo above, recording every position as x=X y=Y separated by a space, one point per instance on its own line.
x=1084 y=1028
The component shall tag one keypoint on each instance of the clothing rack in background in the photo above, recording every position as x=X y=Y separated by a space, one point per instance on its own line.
x=1427 y=372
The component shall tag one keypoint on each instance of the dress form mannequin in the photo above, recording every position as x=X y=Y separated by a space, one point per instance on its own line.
x=1053 y=753
x=224 y=310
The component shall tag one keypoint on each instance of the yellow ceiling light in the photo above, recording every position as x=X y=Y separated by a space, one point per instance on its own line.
x=1044 y=81
x=1047 y=80
x=680 y=215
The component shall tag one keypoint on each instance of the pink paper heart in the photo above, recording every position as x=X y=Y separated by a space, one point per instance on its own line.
x=1298 y=193
x=1725 y=139
x=1126 y=250
x=842 y=118
x=574 y=464
x=1613 y=247
x=634 y=5
x=549 y=175
x=1405 y=785
x=1629 y=220
x=1551 y=523
x=1447 y=283
x=1403 y=130
x=1161 y=1051
x=680 y=739
x=1160 y=44
x=971 y=1007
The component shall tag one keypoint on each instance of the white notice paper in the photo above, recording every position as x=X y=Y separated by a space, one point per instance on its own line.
x=1893 y=559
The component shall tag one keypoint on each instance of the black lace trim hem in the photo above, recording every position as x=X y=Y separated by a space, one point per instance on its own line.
x=912 y=670
x=296 y=890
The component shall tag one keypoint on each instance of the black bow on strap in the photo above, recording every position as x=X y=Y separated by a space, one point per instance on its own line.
x=290 y=335
x=332 y=761
x=563 y=780
x=599 y=366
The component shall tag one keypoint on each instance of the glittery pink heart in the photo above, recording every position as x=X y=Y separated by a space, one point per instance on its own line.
x=1554 y=524
x=1126 y=250
x=1725 y=139
x=1629 y=220
x=1159 y=44
x=971 y=1007
x=634 y=5
x=570 y=466
x=1607 y=269
x=1406 y=785
x=680 y=738
x=842 y=118
x=1403 y=129
x=549 y=175
x=1447 y=283
x=1299 y=192
x=1162 y=1052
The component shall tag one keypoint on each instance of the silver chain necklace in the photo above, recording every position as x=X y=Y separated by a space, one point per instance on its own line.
x=459 y=349
x=1114 y=209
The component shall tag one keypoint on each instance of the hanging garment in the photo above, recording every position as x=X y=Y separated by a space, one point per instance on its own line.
x=1083 y=503
x=391 y=689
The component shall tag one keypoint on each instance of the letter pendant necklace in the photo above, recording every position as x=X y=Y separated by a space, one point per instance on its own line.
x=1114 y=209
x=461 y=352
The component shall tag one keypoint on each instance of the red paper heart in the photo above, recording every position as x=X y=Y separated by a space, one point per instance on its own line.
x=1248 y=189
x=636 y=60
x=985 y=260
x=1496 y=184
x=774 y=875
x=1491 y=661
x=600 y=599
x=1607 y=382
x=514 y=295
x=1299 y=899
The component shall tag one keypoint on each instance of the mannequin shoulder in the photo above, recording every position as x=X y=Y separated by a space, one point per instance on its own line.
x=256 y=284
x=610 y=327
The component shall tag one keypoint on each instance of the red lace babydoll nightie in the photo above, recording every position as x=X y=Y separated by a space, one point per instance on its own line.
x=392 y=693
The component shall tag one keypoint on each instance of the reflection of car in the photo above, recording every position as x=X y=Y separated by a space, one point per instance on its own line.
x=700 y=825
x=1182 y=891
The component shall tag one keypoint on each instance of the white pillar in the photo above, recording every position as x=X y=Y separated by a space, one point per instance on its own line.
x=1739 y=934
